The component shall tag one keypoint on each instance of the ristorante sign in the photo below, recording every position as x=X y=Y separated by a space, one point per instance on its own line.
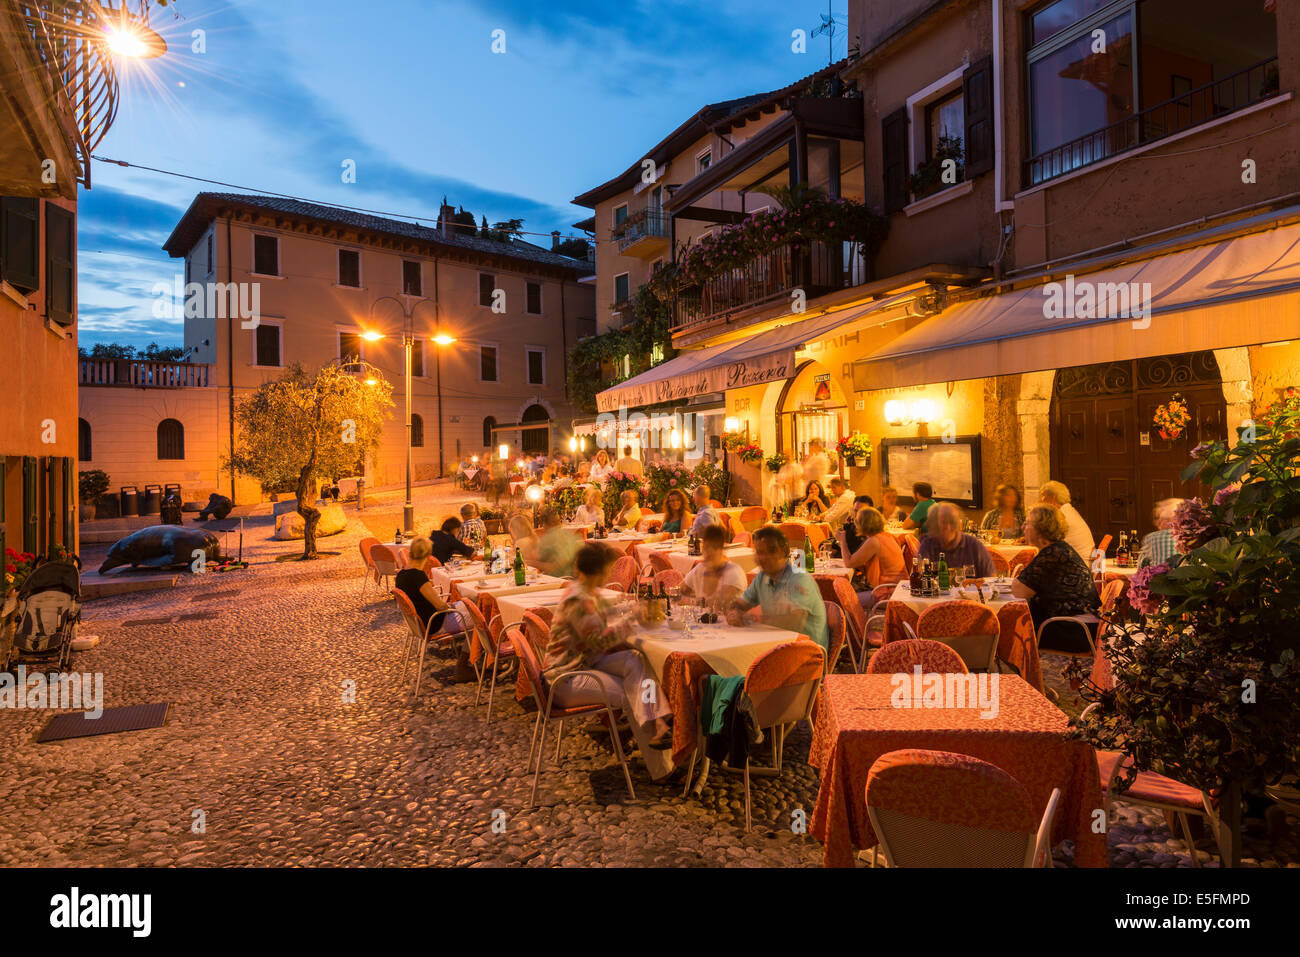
x=758 y=370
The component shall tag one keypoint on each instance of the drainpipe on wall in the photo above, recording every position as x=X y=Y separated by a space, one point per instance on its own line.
x=1000 y=203
x=230 y=361
x=564 y=341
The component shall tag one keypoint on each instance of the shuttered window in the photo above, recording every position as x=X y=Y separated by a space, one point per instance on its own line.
x=893 y=141
x=977 y=91
x=84 y=448
x=417 y=431
x=268 y=344
x=20 y=242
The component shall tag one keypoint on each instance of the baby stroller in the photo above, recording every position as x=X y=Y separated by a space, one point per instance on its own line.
x=49 y=607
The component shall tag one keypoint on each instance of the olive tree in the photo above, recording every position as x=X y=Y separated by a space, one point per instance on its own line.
x=304 y=427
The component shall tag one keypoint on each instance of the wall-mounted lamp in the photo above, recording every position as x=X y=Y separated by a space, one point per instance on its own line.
x=503 y=452
x=731 y=424
x=915 y=412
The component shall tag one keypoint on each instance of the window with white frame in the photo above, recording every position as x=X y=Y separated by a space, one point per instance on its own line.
x=535 y=358
x=487 y=364
x=266 y=344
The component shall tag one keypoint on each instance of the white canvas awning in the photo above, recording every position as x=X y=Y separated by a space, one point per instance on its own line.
x=1238 y=291
x=766 y=357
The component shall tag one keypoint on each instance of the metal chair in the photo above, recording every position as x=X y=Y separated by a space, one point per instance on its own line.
x=992 y=825
x=386 y=565
x=548 y=713
x=902 y=656
x=967 y=627
x=783 y=685
x=418 y=634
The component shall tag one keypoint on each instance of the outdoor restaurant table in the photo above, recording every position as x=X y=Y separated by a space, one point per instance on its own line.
x=1010 y=550
x=512 y=604
x=471 y=589
x=679 y=661
x=1017 y=642
x=676 y=553
x=857 y=723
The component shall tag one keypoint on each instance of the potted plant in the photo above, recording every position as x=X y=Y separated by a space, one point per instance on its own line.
x=92 y=484
x=1172 y=417
x=855 y=449
x=949 y=155
x=775 y=461
x=1204 y=658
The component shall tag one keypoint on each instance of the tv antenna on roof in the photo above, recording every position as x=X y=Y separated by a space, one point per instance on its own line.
x=830 y=25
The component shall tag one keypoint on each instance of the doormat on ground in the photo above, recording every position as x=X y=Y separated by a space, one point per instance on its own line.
x=136 y=717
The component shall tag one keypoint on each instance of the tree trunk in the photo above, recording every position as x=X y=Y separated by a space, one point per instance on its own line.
x=310 y=514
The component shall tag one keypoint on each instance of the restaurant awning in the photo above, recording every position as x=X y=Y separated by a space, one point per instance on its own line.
x=765 y=357
x=1235 y=292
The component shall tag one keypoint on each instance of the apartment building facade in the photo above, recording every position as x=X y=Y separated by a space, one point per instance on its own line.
x=1030 y=157
x=490 y=323
x=61 y=94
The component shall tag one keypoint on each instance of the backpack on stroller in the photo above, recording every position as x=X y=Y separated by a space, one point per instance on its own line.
x=49 y=607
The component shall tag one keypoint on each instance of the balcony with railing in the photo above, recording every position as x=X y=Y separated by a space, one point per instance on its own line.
x=1214 y=100
x=771 y=278
x=644 y=233
x=142 y=374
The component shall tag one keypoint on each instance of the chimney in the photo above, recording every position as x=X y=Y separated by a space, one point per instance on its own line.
x=445 y=214
x=555 y=240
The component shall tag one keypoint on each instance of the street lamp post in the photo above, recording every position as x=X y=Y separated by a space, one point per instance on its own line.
x=384 y=309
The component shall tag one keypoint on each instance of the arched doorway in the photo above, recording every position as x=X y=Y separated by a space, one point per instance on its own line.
x=1105 y=447
x=535 y=440
x=812 y=405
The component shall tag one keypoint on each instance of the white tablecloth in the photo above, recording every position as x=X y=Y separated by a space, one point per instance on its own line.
x=729 y=651
x=471 y=590
x=675 y=552
x=902 y=593
x=512 y=606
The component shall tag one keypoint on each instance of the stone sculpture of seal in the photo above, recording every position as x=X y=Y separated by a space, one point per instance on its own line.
x=161 y=546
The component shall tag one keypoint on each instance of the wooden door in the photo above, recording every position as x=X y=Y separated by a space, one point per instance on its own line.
x=1105 y=448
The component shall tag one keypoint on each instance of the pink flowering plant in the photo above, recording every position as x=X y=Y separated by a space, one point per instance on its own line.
x=664 y=478
x=1204 y=656
x=803 y=216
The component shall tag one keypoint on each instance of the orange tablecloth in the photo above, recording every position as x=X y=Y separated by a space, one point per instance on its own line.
x=856 y=724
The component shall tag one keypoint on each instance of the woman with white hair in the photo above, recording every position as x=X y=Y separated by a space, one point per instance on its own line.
x=1077 y=533
x=1158 y=547
x=590 y=511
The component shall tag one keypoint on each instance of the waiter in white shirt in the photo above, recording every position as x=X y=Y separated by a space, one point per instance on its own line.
x=1078 y=535
x=841 y=503
x=816 y=463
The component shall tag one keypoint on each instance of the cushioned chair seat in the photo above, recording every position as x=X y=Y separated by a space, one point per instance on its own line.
x=1150 y=787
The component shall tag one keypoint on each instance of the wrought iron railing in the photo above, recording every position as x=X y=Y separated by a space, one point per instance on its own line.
x=142 y=373
x=649 y=223
x=815 y=268
x=1183 y=112
x=69 y=39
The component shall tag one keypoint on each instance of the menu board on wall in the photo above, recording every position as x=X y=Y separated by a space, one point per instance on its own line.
x=952 y=467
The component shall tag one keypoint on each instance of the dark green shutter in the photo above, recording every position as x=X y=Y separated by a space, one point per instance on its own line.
x=977 y=98
x=31 y=506
x=69 y=504
x=893 y=145
x=60 y=264
x=20 y=242
x=4 y=538
x=54 y=515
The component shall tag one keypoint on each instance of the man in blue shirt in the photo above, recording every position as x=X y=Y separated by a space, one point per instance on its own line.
x=705 y=514
x=787 y=597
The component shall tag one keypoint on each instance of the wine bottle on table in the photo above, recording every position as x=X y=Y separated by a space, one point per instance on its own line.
x=944 y=581
x=809 y=559
x=519 y=567
x=914 y=580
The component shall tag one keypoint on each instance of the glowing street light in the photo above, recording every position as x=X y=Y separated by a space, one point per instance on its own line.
x=443 y=339
x=503 y=452
x=131 y=36
x=372 y=336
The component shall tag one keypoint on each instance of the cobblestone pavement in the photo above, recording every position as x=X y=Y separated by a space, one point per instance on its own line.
x=261 y=747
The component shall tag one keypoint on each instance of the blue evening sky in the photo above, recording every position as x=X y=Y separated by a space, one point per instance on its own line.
x=412 y=92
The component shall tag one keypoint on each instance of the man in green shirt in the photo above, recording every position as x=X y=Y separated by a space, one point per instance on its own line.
x=788 y=597
x=923 y=492
x=557 y=547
